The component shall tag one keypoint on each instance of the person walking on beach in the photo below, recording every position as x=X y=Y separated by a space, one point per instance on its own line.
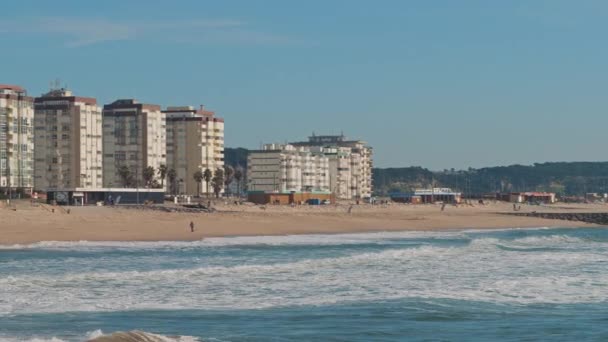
x=192 y=226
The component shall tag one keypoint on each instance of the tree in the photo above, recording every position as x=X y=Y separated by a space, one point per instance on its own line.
x=125 y=175
x=238 y=176
x=162 y=173
x=148 y=175
x=172 y=176
x=228 y=176
x=198 y=178
x=218 y=182
x=207 y=175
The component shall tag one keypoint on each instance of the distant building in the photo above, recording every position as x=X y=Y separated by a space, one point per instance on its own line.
x=67 y=139
x=195 y=142
x=16 y=139
x=422 y=196
x=114 y=196
x=134 y=136
x=286 y=168
x=524 y=197
x=350 y=164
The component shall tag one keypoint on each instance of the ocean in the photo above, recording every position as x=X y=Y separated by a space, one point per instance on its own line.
x=472 y=285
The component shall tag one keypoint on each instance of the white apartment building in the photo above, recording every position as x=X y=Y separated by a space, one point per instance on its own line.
x=67 y=140
x=350 y=164
x=286 y=168
x=195 y=142
x=134 y=135
x=16 y=139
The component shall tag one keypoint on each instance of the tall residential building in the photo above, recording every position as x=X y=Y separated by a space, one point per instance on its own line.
x=134 y=136
x=286 y=168
x=350 y=164
x=67 y=140
x=195 y=142
x=16 y=139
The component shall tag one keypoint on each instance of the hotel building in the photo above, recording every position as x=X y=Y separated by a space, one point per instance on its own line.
x=16 y=139
x=195 y=142
x=350 y=164
x=287 y=168
x=67 y=140
x=134 y=135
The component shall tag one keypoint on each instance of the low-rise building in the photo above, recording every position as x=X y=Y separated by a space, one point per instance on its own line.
x=106 y=196
x=533 y=196
x=195 y=142
x=16 y=139
x=423 y=196
x=67 y=140
x=134 y=138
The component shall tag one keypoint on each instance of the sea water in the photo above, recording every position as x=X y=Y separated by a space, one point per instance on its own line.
x=501 y=285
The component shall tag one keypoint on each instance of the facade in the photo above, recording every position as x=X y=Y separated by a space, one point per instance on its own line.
x=67 y=139
x=16 y=139
x=285 y=168
x=282 y=198
x=445 y=195
x=525 y=197
x=134 y=136
x=115 y=196
x=350 y=164
x=195 y=142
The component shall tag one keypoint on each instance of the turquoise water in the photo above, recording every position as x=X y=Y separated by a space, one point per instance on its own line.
x=504 y=285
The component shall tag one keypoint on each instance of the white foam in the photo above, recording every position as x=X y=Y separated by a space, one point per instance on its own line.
x=4 y=338
x=479 y=271
x=270 y=240
x=133 y=336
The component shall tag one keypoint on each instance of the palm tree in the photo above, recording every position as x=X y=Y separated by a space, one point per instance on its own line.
x=238 y=176
x=162 y=173
x=218 y=182
x=198 y=178
x=125 y=175
x=172 y=175
x=207 y=175
x=148 y=175
x=228 y=176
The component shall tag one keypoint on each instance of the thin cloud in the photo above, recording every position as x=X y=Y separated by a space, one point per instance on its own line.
x=83 y=32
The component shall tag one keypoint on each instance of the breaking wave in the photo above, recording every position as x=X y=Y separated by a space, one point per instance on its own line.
x=553 y=267
x=99 y=336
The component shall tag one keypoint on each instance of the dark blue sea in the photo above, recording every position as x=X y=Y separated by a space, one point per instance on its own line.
x=477 y=285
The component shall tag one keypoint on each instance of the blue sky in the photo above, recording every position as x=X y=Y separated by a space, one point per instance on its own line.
x=439 y=84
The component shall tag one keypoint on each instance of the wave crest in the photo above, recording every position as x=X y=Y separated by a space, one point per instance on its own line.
x=140 y=336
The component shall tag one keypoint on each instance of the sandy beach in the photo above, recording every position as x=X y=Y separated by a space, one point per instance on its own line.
x=24 y=223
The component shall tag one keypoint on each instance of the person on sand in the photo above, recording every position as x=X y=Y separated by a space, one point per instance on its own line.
x=192 y=226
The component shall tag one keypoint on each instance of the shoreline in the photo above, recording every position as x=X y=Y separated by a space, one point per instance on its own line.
x=374 y=231
x=28 y=225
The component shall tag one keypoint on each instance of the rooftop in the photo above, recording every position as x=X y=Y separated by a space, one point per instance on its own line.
x=14 y=88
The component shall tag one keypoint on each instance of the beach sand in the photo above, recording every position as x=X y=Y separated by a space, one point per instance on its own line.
x=24 y=223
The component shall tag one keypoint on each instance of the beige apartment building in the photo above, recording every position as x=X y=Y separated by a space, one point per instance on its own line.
x=67 y=140
x=16 y=139
x=134 y=136
x=195 y=142
x=350 y=164
x=287 y=168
